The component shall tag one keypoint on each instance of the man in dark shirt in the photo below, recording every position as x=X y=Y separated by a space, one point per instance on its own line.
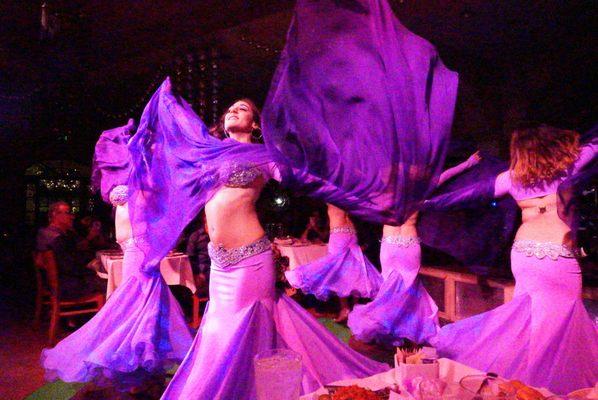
x=75 y=280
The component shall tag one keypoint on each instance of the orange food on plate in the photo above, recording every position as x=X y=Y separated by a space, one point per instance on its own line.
x=525 y=392
x=354 y=392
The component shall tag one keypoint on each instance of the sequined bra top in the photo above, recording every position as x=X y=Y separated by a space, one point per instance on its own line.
x=241 y=175
x=119 y=195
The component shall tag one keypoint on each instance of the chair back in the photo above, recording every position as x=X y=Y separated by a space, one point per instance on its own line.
x=46 y=262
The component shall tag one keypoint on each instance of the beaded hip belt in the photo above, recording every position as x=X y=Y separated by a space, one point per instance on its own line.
x=402 y=241
x=540 y=250
x=138 y=241
x=343 y=229
x=225 y=257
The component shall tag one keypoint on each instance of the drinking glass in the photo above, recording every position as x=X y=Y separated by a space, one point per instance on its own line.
x=487 y=387
x=430 y=389
x=278 y=374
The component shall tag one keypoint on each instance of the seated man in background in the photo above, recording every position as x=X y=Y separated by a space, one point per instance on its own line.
x=316 y=230
x=91 y=229
x=70 y=253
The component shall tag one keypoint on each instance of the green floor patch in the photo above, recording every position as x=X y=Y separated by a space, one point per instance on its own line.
x=340 y=331
x=58 y=390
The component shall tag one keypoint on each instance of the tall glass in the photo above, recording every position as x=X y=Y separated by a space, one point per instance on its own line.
x=278 y=374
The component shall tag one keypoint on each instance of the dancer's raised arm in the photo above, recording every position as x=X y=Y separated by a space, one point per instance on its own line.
x=460 y=168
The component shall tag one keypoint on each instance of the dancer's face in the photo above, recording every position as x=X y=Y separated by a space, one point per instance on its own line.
x=239 y=119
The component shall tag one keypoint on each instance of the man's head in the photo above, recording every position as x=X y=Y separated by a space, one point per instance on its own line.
x=60 y=215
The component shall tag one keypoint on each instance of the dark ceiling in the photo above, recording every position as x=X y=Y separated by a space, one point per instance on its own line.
x=108 y=54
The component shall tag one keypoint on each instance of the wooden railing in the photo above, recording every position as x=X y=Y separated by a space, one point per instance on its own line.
x=446 y=286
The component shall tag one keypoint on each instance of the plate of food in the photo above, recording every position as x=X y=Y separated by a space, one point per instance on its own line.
x=525 y=392
x=354 y=392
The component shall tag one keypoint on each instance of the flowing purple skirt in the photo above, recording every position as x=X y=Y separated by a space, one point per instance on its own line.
x=543 y=337
x=403 y=308
x=141 y=331
x=245 y=316
x=345 y=271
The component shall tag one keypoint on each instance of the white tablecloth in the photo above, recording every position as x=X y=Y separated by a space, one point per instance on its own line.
x=175 y=269
x=302 y=254
x=450 y=372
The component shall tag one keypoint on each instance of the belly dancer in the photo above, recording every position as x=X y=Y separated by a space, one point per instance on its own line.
x=246 y=314
x=403 y=308
x=141 y=330
x=543 y=336
x=344 y=272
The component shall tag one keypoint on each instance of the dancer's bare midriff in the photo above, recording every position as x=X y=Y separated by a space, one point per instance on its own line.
x=338 y=217
x=122 y=224
x=541 y=222
x=408 y=229
x=231 y=216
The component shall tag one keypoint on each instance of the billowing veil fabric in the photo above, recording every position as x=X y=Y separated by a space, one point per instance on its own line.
x=111 y=160
x=462 y=215
x=360 y=108
x=178 y=166
x=570 y=190
x=141 y=330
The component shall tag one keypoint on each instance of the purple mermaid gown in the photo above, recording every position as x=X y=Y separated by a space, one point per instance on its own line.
x=345 y=271
x=246 y=315
x=402 y=308
x=141 y=330
x=543 y=336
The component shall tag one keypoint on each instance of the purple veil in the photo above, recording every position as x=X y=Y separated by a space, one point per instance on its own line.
x=360 y=109
x=570 y=192
x=111 y=160
x=358 y=114
x=462 y=218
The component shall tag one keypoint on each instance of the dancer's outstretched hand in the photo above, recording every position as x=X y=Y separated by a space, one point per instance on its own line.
x=474 y=158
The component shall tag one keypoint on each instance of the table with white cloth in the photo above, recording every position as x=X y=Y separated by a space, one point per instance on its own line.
x=175 y=269
x=449 y=371
x=300 y=254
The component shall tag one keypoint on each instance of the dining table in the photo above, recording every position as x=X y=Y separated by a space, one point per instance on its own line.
x=300 y=253
x=450 y=373
x=175 y=268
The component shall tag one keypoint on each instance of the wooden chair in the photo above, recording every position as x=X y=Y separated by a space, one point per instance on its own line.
x=196 y=320
x=46 y=271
